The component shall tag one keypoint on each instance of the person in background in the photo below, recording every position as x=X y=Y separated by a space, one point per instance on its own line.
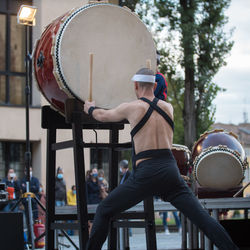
x=60 y=189
x=103 y=184
x=162 y=86
x=93 y=191
x=102 y=180
x=13 y=187
x=87 y=175
x=125 y=173
x=71 y=201
x=93 y=188
x=42 y=198
x=124 y=170
x=165 y=221
x=71 y=196
x=34 y=186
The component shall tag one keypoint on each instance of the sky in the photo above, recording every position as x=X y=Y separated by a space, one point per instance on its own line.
x=235 y=76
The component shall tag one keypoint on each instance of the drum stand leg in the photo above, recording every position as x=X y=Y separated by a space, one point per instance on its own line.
x=184 y=231
x=215 y=215
x=31 y=231
x=190 y=234
x=150 y=228
x=208 y=243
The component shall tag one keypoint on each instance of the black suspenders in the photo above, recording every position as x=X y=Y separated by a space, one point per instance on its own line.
x=153 y=106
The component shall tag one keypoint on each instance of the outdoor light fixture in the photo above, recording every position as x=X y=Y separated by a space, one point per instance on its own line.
x=26 y=15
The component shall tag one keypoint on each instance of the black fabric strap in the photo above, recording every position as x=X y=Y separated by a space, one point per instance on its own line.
x=91 y=109
x=160 y=111
x=152 y=153
x=144 y=119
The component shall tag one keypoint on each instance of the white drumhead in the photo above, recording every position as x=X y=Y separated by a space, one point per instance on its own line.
x=121 y=45
x=219 y=170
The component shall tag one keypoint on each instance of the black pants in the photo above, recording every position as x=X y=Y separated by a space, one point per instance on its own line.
x=159 y=177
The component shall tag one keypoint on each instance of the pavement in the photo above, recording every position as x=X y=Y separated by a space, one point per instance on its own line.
x=137 y=242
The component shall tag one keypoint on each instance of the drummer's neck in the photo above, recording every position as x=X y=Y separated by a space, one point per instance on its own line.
x=145 y=93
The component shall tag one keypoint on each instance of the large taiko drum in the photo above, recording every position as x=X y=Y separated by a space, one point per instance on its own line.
x=182 y=156
x=119 y=41
x=219 y=160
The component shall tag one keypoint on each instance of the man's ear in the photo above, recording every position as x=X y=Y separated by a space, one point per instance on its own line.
x=136 y=85
x=155 y=85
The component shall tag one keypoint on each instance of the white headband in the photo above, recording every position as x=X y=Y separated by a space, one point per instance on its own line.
x=143 y=78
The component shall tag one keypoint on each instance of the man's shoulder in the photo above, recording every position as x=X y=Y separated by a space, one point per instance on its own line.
x=35 y=179
x=168 y=106
x=130 y=106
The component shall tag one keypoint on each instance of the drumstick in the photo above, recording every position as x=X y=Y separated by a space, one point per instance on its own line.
x=148 y=63
x=90 y=75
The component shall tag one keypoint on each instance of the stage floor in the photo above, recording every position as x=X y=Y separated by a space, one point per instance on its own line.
x=138 y=241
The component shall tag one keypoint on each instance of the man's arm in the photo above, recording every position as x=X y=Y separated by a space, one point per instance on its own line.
x=112 y=115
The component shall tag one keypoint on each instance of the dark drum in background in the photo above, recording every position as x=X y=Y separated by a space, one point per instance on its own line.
x=182 y=156
x=219 y=160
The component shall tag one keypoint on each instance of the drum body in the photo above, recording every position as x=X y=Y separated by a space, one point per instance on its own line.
x=182 y=156
x=218 y=160
x=119 y=41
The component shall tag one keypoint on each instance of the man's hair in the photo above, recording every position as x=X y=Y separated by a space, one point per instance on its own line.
x=145 y=71
x=100 y=171
x=59 y=169
x=124 y=163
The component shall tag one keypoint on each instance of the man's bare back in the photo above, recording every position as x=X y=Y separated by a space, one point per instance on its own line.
x=156 y=133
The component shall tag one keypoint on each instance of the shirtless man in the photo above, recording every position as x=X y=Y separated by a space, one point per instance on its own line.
x=155 y=169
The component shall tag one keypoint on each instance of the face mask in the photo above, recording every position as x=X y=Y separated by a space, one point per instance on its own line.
x=100 y=178
x=74 y=191
x=40 y=190
x=60 y=176
x=30 y=174
x=121 y=171
x=94 y=174
x=12 y=175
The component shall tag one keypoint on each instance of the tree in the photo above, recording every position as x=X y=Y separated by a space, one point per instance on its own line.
x=194 y=47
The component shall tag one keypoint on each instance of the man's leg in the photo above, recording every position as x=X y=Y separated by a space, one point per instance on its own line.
x=189 y=205
x=121 y=198
x=174 y=189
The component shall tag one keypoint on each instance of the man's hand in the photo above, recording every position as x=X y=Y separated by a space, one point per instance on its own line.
x=87 y=105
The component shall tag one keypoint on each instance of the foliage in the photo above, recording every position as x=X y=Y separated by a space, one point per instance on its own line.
x=193 y=43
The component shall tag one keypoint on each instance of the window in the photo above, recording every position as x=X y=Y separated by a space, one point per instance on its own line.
x=12 y=156
x=2 y=88
x=99 y=158
x=2 y=41
x=12 y=54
